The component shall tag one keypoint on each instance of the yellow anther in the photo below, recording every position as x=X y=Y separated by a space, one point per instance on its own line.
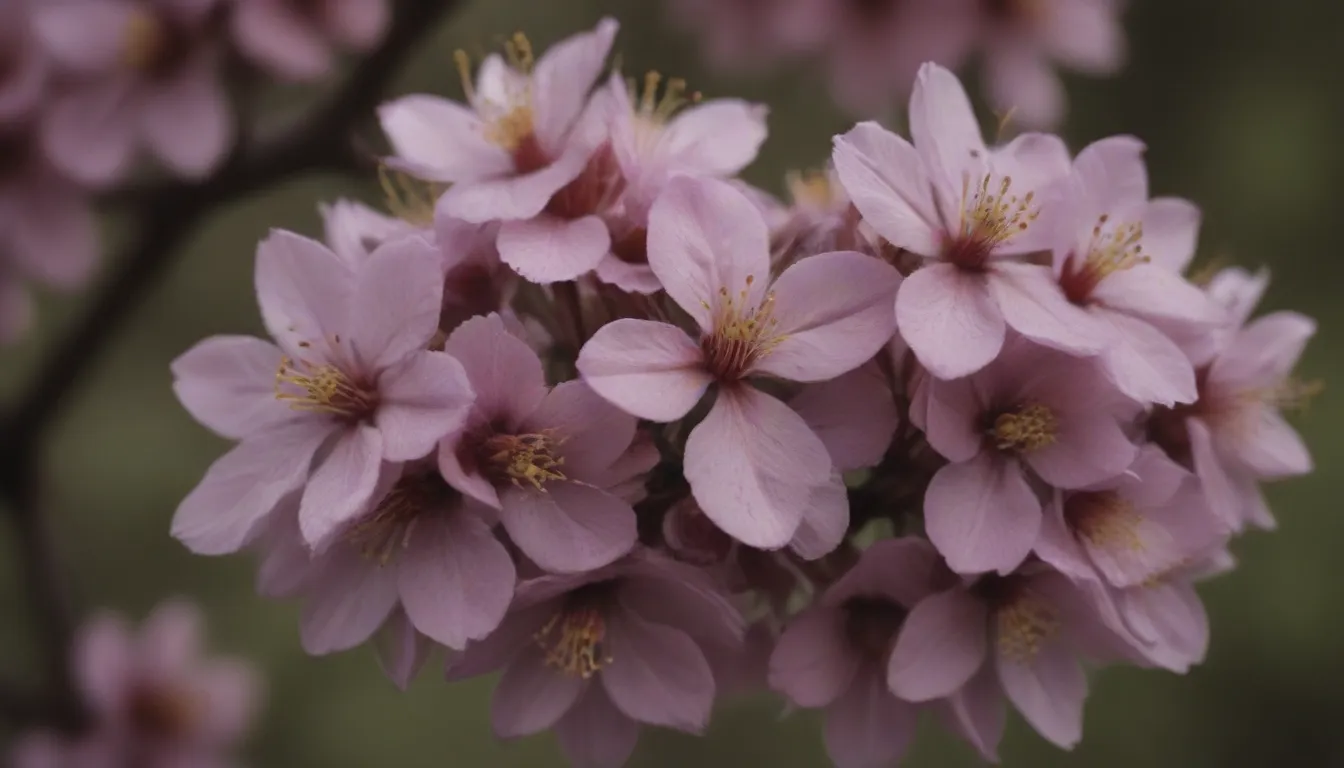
x=1024 y=624
x=1025 y=428
x=321 y=389
x=572 y=640
x=1105 y=519
x=528 y=458
x=990 y=217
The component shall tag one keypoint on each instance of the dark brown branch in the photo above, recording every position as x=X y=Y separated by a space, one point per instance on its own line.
x=165 y=216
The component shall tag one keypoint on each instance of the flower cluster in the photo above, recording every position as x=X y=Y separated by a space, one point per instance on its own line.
x=85 y=85
x=586 y=408
x=153 y=698
x=872 y=48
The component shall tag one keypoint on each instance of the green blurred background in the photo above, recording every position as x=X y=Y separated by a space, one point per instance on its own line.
x=1242 y=108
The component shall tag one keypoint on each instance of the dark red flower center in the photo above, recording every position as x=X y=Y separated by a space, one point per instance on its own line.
x=871 y=624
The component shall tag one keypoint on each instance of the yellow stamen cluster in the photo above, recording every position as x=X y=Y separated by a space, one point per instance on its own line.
x=528 y=458
x=1025 y=428
x=658 y=109
x=572 y=640
x=991 y=217
x=1105 y=520
x=306 y=386
x=742 y=334
x=812 y=188
x=144 y=40
x=511 y=124
x=408 y=198
x=1024 y=624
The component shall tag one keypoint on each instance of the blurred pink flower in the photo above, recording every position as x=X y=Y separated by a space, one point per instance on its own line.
x=1164 y=618
x=295 y=38
x=834 y=655
x=351 y=374
x=353 y=230
x=155 y=700
x=595 y=655
x=972 y=212
x=547 y=459
x=142 y=72
x=526 y=134
x=753 y=464
x=24 y=66
x=1033 y=413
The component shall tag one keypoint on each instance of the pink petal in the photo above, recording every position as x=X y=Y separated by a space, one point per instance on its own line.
x=89 y=133
x=172 y=638
x=1049 y=691
x=395 y=304
x=340 y=489
x=1086 y=36
x=52 y=233
x=465 y=478
x=1021 y=80
x=716 y=138
x=455 y=580
x=423 y=399
x=869 y=727
x=631 y=278
x=568 y=527
x=952 y=418
x=950 y=320
x=103 y=662
x=1271 y=448
x=1114 y=180
x=904 y=570
x=563 y=77
x=1057 y=546
x=825 y=521
x=548 y=249
x=1171 y=232
x=272 y=34
x=504 y=372
x=1223 y=494
x=1265 y=351
x=1171 y=618
x=594 y=734
x=228 y=384
x=401 y=650
x=1151 y=290
x=351 y=596
x=834 y=312
x=945 y=132
x=977 y=713
x=440 y=140
x=232 y=689
x=662 y=678
x=885 y=178
x=812 y=663
x=511 y=197
x=854 y=415
x=244 y=485
x=596 y=433
x=1144 y=363
x=706 y=238
x=187 y=122
x=688 y=599
x=1033 y=304
x=651 y=370
x=304 y=291
x=531 y=696
x=515 y=636
x=85 y=36
x=982 y=515
x=357 y=23
x=1089 y=447
x=942 y=644
x=752 y=463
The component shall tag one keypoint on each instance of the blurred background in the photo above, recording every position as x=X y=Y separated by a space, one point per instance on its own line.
x=1242 y=109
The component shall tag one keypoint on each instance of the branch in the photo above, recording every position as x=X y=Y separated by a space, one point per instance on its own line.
x=165 y=216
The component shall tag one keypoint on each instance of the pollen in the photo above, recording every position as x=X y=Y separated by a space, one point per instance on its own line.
x=742 y=334
x=407 y=198
x=1105 y=519
x=145 y=41
x=307 y=386
x=508 y=124
x=572 y=640
x=1025 y=428
x=529 y=458
x=990 y=216
x=1024 y=623
x=1112 y=249
x=812 y=188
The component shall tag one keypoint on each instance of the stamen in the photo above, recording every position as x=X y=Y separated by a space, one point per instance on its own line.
x=1110 y=250
x=390 y=526
x=1025 y=428
x=1105 y=519
x=408 y=198
x=529 y=458
x=1024 y=624
x=322 y=389
x=742 y=334
x=518 y=51
x=509 y=125
x=990 y=218
x=1292 y=394
x=572 y=640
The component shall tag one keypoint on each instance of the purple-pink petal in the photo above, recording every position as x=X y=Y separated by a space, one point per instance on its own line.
x=341 y=486
x=950 y=319
x=568 y=527
x=455 y=579
x=531 y=696
x=942 y=644
x=662 y=677
x=651 y=370
x=982 y=515
x=812 y=663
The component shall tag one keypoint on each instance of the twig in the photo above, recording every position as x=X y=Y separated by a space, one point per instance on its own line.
x=164 y=217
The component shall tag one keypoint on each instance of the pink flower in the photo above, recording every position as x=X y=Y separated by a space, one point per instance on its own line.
x=47 y=231
x=155 y=700
x=753 y=464
x=1165 y=619
x=23 y=65
x=549 y=460
x=1034 y=413
x=522 y=138
x=1023 y=635
x=351 y=376
x=972 y=212
x=1021 y=37
x=595 y=655
x=294 y=38
x=1121 y=260
x=142 y=72
x=736 y=34
x=834 y=655
x=353 y=230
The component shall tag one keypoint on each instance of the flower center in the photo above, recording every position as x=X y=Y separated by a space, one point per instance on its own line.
x=871 y=623
x=511 y=124
x=572 y=639
x=652 y=111
x=1023 y=620
x=162 y=713
x=990 y=217
x=1104 y=519
x=633 y=246
x=307 y=386
x=392 y=523
x=152 y=44
x=811 y=189
x=1110 y=250
x=1025 y=428
x=594 y=190
x=528 y=458
x=742 y=334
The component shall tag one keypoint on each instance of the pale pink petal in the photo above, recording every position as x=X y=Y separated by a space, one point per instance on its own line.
x=104 y=663
x=531 y=696
x=1089 y=447
x=423 y=399
x=1040 y=162
x=227 y=383
x=272 y=34
x=304 y=291
x=942 y=644
x=1170 y=617
x=504 y=372
x=825 y=521
x=465 y=477
x=854 y=415
x=705 y=238
x=812 y=663
x=52 y=233
x=1114 y=181
x=717 y=138
x=89 y=133
x=752 y=463
x=834 y=312
x=905 y=570
x=244 y=485
x=340 y=489
x=950 y=320
x=187 y=122
x=1021 y=82
x=1263 y=354
x=1049 y=690
x=395 y=304
x=1171 y=232
x=945 y=132
x=511 y=197
x=977 y=713
x=1033 y=304
x=401 y=649
x=886 y=180
x=662 y=678
x=1144 y=363
x=171 y=638
x=232 y=689
x=868 y=727
x=515 y=635
x=455 y=579
x=681 y=596
x=1225 y=498
x=568 y=527
x=357 y=23
x=594 y=734
x=351 y=596
x=564 y=76
x=87 y=35
x=548 y=249
x=651 y=370
x=1057 y=545
x=1086 y=35
x=1271 y=448
x=631 y=278
x=596 y=433
x=982 y=515
x=440 y=140
x=952 y=418
x=1151 y=290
